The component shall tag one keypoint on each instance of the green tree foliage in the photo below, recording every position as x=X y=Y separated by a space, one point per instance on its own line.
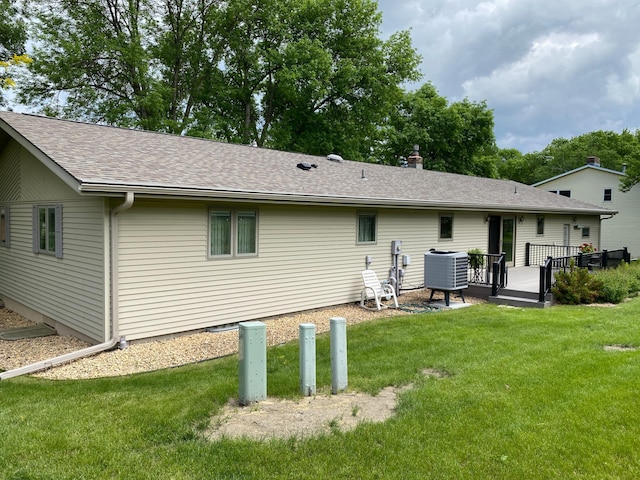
x=563 y=155
x=13 y=36
x=309 y=76
x=455 y=137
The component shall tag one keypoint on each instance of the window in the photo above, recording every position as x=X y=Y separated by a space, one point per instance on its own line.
x=586 y=232
x=367 y=226
x=540 y=226
x=47 y=230
x=446 y=227
x=607 y=195
x=233 y=232
x=5 y=237
x=564 y=193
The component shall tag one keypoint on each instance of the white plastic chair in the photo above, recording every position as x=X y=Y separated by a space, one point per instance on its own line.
x=374 y=290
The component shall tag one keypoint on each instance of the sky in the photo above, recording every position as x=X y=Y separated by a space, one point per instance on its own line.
x=547 y=68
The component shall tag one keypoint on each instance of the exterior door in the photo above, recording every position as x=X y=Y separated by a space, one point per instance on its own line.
x=502 y=237
x=566 y=237
x=508 y=239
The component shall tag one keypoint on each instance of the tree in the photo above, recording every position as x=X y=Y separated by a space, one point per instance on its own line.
x=307 y=76
x=455 y=138
x=12 y=39
x=615 y=150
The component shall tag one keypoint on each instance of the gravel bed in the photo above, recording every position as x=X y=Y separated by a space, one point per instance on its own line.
x=181 y=350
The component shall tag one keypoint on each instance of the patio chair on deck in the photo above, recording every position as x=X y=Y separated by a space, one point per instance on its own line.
x=374 y=290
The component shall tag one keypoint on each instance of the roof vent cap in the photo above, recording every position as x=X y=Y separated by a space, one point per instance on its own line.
x=306 y=166
x=334 y=158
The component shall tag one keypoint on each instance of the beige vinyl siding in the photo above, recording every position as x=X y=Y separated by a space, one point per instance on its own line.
x=588 y=185
x=308 y=257
x=167 y=284
x=526 y=231
x=70 y=290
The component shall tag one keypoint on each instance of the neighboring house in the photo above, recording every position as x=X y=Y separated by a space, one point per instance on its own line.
x=109 y=232
x=600 y=186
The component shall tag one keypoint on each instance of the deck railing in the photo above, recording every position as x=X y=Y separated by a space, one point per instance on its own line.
x=536 y=254
x=591 y=261
x=488 y=269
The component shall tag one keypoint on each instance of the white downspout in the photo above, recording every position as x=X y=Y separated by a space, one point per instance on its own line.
x=101 y=347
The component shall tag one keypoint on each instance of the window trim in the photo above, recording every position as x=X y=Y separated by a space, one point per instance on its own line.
x=563 y=193
x=540 y=226
x=234 y=236
x=5 y=221
x=442 y=238
x=57 y=230
x=373 y=215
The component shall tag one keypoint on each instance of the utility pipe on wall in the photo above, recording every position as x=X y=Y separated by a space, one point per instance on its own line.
x=101 y=347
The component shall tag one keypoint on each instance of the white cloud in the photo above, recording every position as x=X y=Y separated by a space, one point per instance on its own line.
x=547 y=68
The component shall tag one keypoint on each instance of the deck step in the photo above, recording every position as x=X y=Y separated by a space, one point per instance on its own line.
x=518 y=301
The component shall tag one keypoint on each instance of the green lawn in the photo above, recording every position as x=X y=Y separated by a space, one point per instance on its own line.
x=531 y=394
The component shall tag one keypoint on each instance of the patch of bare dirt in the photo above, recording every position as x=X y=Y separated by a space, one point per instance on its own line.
x=620 y=348
x=311 y=416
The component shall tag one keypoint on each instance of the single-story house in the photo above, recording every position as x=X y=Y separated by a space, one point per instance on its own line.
x=600 y=186
x=110 y=232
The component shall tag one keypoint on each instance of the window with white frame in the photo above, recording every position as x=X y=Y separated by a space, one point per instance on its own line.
x=47 y=229
x=446 y=227
x=367 y=227
x=5 y=235
x=233 y=232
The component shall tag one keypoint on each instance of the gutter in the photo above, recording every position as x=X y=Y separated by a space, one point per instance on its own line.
x=189 y=193
x=101 y=347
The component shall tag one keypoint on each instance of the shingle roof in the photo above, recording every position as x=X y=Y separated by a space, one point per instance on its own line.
x=579 y=169
x=111 y=160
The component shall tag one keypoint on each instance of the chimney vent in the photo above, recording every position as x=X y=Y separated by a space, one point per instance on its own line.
x=595 y=161
x=415 y=160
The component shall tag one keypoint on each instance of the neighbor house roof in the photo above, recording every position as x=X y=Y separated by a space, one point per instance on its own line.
x=579 y=169
x=97 y=159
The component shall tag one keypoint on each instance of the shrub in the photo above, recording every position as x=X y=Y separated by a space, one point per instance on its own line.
x=476 y=258
x=619 y=283
x=576 y=286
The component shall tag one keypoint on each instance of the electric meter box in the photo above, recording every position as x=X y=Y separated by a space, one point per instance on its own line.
x=396 y=247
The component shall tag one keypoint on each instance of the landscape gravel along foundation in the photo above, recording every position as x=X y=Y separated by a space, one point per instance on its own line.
x=166 y=353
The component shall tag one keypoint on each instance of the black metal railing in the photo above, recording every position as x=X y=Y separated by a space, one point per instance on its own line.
x=590 y=260
x=535 y=254
x=546 y=278
x=488 y=269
